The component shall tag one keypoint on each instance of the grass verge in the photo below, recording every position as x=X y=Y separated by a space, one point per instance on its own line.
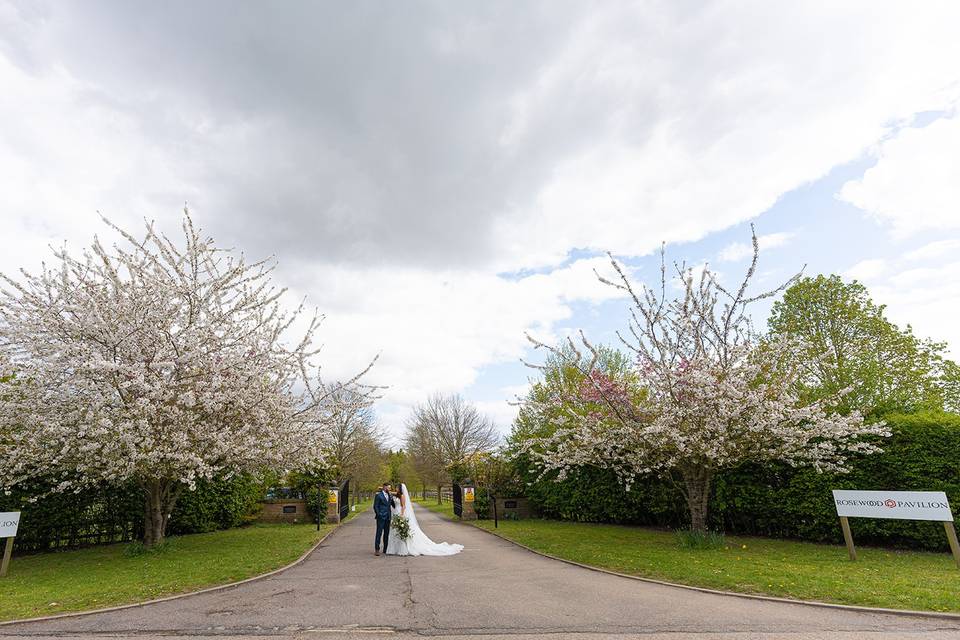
x=97 y=577
x=445 y=509
x=357 y=509
x=785 y=568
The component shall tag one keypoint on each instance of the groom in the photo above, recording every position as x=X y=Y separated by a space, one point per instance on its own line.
x=381 y=510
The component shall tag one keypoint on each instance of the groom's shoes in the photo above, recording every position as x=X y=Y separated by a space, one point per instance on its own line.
x=376 y=552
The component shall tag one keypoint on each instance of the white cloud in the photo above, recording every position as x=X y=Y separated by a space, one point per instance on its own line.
x=933 y=250
x=926 y=297
x=515 y=391
x=915 y=185
x=737 y=251
x=624 y=126
x=501 y=412
x=866 y=270
x=436 y=329
x=396 y=165
x=710 y=134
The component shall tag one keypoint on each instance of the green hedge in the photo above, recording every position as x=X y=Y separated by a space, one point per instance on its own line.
x=115 y=513
x=217 y=504
x=923 y=454
x=92 y=516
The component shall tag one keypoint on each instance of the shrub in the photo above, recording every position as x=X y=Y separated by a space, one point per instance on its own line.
x=221 y=503
x=481 y=504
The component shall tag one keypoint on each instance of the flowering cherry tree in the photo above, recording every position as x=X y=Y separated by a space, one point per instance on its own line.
x=160 y=363
x=708 y=394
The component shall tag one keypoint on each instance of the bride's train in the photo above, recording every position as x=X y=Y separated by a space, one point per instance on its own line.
x=418 y=544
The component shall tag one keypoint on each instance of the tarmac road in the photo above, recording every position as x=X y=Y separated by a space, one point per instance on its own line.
x=492 y=589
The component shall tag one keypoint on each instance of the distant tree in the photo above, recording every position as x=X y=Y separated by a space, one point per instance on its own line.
x=446 y=430
x=429 y=468
x=368 y=471
x=352 y=434
x=537 y=416
x=848 y=343
x=398 y=468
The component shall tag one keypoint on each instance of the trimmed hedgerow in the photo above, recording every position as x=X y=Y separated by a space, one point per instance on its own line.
x=923 y=454
x=108 y=513
x=61 y=520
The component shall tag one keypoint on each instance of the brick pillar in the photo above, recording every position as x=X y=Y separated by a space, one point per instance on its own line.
x=333 y=506
x=469 y=510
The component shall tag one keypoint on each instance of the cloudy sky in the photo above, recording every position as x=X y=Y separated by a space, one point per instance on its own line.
x=440 y=177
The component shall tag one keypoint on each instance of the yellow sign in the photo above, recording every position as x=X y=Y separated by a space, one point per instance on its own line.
x=468 y=494
x=332 y=496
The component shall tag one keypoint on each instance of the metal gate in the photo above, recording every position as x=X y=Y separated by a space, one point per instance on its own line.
x=344 y=500
x=458 y=501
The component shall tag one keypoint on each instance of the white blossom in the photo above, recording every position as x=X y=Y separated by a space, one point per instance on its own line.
x=708 y=393
x=159 y=363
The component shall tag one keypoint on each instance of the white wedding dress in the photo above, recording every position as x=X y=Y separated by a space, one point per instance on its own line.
x=418 y=544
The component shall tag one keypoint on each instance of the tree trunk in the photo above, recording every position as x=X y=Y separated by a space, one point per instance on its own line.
x=697 y=482
x=160 y=496
x=439 y=494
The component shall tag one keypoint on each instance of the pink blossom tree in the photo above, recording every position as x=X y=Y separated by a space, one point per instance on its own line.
x=711 y=394
x=159 y=363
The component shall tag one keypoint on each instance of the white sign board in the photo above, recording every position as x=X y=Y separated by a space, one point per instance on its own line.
x=897 y=505
x=9 y=522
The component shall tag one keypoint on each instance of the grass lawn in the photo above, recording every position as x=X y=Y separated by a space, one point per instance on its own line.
x=50 y=583
x=431 y=503
x=359 y=508
x=801 y=570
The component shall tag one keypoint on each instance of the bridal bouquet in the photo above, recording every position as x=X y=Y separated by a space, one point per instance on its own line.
x=402 y=527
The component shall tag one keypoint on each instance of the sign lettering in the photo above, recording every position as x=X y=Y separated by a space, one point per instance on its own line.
x=9 y=522
x=896 y=505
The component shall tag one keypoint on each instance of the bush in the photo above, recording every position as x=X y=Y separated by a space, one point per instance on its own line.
x=481 y=504
x=776 y=500
x=217 y=504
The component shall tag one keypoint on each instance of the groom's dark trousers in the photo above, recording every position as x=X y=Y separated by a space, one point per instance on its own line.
x=381 y=510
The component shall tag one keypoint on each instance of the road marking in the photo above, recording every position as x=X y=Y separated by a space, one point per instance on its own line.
x=352 y=629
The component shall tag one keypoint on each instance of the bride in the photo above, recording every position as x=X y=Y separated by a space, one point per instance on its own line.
x=418 y=544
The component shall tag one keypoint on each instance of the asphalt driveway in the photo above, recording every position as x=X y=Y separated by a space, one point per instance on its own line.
x=492 y=589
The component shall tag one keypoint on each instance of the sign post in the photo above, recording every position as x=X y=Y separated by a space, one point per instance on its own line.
x=895 y=505
x=9 y=523
x=952 y=539
x=848 y=537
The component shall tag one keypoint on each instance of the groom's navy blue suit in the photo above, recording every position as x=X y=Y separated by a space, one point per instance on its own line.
x=381 y=510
